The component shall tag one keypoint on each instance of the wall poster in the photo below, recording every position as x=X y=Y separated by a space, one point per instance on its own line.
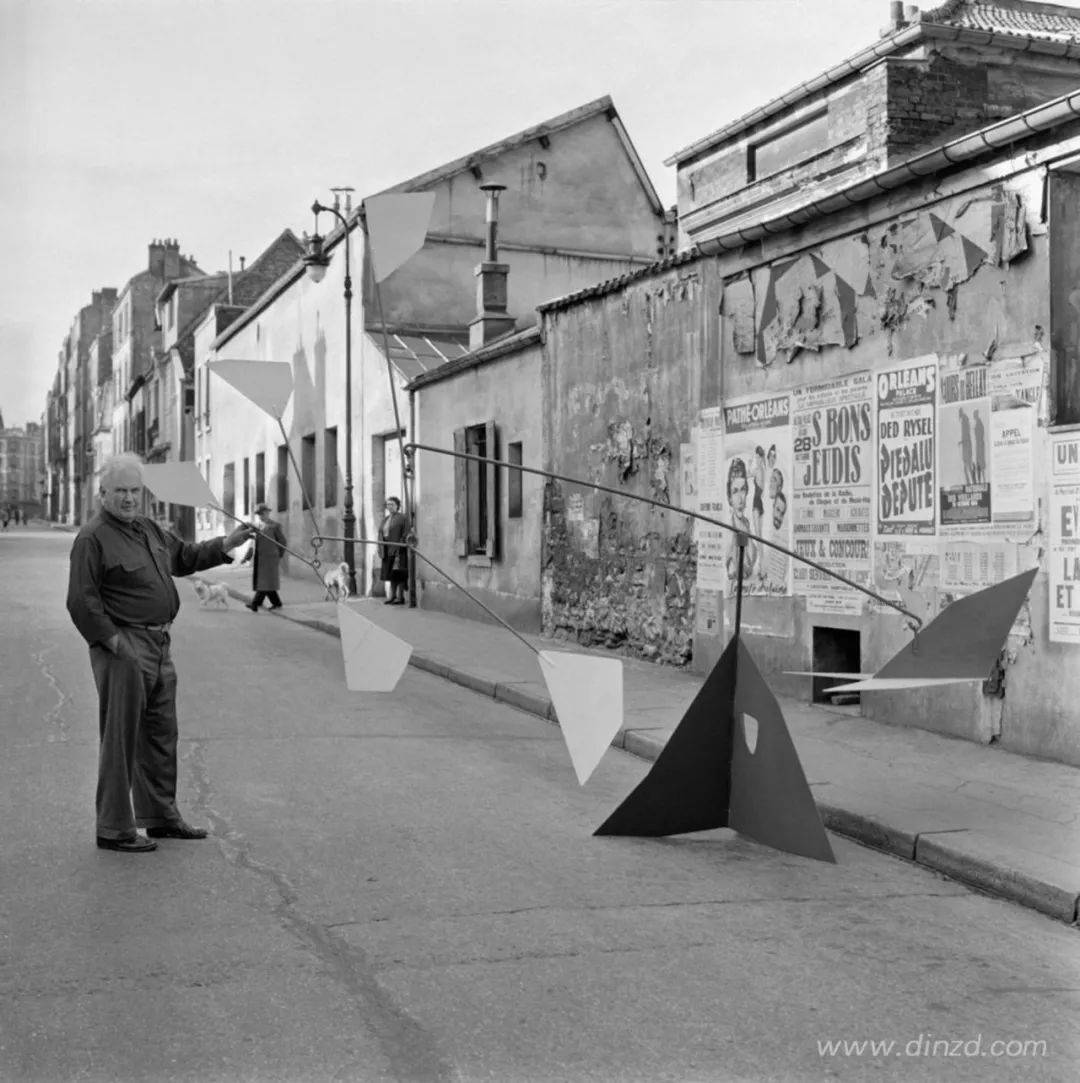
x=710 y=540
x=757 y=486
x=832 y=426
x=963 y=446
x=905 y=448
x=1015 y=391
x=1064 y=559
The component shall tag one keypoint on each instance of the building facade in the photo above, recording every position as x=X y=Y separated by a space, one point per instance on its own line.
x=575 y=206
x=22 y=470
x=879 y=371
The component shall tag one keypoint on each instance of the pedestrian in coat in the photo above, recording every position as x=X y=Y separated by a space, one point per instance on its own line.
x=123 y=601
x=265 y=575
x=395 y=558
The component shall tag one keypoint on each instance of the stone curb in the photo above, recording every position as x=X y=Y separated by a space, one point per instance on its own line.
x=995 y=880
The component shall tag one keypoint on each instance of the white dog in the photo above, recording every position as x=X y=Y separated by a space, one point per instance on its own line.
x=337 y=583
x=211 y=594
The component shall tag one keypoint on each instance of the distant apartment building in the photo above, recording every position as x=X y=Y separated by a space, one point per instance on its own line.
x=134 y=338
x=22 y=469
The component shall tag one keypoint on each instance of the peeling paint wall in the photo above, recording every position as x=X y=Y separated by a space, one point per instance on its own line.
x=620 y=398
x=966 y=279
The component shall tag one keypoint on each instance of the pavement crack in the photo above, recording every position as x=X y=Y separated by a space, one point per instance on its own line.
x=410 y=1050
x=56 y=717
x=847 y=897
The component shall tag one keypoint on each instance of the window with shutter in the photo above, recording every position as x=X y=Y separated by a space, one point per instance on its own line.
x=477 y=503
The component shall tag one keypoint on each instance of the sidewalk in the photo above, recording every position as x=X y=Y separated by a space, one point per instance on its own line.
x=1000 y=822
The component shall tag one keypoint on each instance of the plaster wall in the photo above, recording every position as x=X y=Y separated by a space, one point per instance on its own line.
x=579 y=193
x=506 y=391
x=620 y=400
x=437 y=286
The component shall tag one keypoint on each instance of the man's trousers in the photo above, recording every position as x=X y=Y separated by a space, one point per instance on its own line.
x=137 y=726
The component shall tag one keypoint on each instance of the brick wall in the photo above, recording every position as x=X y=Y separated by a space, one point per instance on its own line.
x=929 y=101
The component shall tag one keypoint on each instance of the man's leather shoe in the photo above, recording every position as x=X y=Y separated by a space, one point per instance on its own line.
x=253 y=608
x=135 y=844
x=180 y=829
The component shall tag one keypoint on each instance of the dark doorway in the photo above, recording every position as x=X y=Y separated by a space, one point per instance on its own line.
x=836 y=650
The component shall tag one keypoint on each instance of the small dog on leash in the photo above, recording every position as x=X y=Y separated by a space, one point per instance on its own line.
x=337 y=583
x=210 y=594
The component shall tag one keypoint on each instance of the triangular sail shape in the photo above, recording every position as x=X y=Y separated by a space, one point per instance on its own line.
x=588 y=697
x=707 y=777
x=268 y=384
x=374 y=658
x=397 y=224
x=178 y=483
x=770 y=799
x=960 y=644
x=689 y=785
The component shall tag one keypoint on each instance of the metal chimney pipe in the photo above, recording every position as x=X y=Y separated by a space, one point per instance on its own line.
x=896 y=13
x=491 y=216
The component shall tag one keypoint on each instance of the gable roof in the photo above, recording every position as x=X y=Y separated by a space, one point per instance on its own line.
x=1034 y=27
x=601 y=106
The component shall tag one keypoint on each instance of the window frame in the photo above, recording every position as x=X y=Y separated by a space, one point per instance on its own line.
x=476 y=494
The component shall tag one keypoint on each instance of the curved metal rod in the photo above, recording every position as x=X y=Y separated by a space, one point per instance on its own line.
x=681 y=511
x=427 y=560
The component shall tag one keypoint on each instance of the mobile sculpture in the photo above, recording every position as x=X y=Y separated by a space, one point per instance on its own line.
x=716 y=770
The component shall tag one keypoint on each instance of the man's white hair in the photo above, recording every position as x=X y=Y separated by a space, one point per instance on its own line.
x=115 y=464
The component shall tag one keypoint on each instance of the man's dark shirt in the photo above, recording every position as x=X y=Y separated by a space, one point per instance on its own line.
x=121 y=573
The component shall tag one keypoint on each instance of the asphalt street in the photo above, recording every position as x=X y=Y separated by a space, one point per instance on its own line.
x=405 y=887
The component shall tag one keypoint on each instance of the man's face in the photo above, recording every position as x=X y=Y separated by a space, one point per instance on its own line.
x=737 y=494
x=122 y=496
x=778 y=509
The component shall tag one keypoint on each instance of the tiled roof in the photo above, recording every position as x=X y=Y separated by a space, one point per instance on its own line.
x=610 y=285
x=1051 y=22
x=414 y=354
x=1017 y=19
x=509 y=343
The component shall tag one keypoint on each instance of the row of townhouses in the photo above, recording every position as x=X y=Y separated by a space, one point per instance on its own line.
x=857 y=334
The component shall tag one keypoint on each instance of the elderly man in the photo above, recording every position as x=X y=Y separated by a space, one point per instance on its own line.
x=122 y=600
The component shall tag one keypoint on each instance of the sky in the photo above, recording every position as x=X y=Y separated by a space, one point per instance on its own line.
x=218 y=122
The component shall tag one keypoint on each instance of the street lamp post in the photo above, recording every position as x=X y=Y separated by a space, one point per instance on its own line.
x=316 y=261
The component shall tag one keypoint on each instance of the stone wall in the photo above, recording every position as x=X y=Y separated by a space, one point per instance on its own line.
x=620 y=396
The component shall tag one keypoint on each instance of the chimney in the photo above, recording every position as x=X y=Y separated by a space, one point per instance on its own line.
x=172 y=259
x=243 y=260
x=491 y=316
x=165 y=259
x=896 y=18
